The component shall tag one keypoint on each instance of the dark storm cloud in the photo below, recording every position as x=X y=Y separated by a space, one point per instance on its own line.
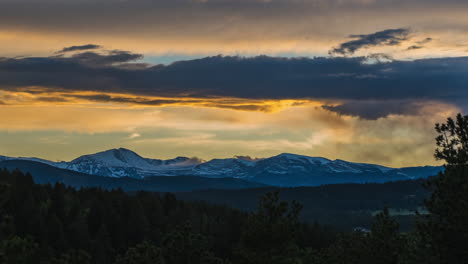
x=112 y=57
x=390 y=37
x=80 y=48
x=373 y=110
x=262 y=77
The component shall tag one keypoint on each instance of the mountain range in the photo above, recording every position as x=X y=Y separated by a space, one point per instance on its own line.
x=43 y=174
x=288 y=170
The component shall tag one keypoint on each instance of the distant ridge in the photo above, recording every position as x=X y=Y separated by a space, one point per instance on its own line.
x=43 y=174
x=282 y=170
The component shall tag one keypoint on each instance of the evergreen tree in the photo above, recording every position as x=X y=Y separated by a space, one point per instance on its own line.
x=17 y=250
x=7 y=227
x=102 y=250
x=56 y=238
x=349 y=248
x=382 y=245
x=270 y=233
x=444 y=231
x=183 y=246
x=385 y=241
x=72 y=257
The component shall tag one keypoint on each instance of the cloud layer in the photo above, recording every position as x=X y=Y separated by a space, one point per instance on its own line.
x=361 y=83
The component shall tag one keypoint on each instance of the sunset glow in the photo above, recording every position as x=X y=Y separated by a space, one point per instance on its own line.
x=342 y=79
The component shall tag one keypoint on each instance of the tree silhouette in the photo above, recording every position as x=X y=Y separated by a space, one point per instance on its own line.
x=444 y=231
x=270 y=233
x=386 y=243
x=17 y=250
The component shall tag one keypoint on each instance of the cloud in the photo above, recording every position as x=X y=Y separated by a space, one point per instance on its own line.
x=390 y=37
x=110 y=58
x=134 y=135
x=415 y=47
x=420 y=44
x=204 y=102
x=424 y=41
x=211 y=81
x=220 y=27
x=208 y=132
x=79 y=48
x=47 y=97
x=259 y=77
x=52 y=99
x=107 y=98
x=373 y=110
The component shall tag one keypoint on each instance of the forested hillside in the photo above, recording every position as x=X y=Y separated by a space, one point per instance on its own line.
x=58 y=224
x=341 y=206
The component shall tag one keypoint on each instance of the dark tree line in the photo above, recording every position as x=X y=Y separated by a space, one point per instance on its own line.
x=342 y=207
x=60 y=225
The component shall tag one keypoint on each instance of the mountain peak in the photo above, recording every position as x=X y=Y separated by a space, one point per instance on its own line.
x=125 y=150
x=112 y=151
x=115 y=157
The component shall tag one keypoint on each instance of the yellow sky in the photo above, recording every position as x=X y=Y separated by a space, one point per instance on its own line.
x=167 y=131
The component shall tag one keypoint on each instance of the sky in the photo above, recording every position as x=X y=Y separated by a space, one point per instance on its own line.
x=358 y=80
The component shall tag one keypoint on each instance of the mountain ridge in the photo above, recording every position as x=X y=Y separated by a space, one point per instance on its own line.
x=45 y=174
x=285 y=169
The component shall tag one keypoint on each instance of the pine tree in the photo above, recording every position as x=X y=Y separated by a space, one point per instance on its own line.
x=385 y=241
x=270 y=233
x=444 y=231
x=183 y=246
x=17 y=250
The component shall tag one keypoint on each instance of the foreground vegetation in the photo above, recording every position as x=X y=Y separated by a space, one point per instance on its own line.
x=57 y=224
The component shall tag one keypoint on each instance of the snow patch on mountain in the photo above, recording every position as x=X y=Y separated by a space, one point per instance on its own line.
x=224 y=168
x=301 y=158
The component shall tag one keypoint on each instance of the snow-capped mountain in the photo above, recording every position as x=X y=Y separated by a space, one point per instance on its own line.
x=281 y=170
x=126 y=163
x=297 y=170
x=286 y=163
